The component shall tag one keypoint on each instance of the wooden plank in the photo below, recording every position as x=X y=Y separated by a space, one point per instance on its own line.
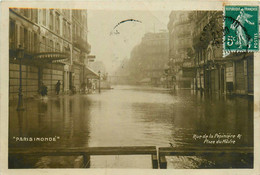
x=81 y=151
x=122 y=150
x=87 y=152
x=206 y=148
x=169 y=151
x=154 y=161
x=163 y=162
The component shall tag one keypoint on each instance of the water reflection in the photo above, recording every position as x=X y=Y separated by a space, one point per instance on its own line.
x=135 y=116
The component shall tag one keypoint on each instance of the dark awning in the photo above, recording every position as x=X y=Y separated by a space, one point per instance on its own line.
x=51 y=56
x=89 y=73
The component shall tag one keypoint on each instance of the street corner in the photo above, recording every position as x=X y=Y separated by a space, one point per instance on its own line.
x=241 y=29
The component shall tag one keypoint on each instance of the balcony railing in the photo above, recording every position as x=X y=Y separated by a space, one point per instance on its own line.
x=82 y=44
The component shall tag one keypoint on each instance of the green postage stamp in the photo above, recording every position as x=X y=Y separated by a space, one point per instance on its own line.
x=241 y=28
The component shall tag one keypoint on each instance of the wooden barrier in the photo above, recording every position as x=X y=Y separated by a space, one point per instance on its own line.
x=200 y=151
x=135 y=150
x=87 y=152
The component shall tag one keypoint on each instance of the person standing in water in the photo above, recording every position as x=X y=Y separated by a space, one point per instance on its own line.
x=57 y=88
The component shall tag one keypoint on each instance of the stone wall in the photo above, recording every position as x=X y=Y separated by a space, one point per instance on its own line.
x=51 y=77
x=29 y=80
x=31 y=76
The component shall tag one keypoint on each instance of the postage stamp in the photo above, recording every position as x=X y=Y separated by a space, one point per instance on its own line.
x=241 y=28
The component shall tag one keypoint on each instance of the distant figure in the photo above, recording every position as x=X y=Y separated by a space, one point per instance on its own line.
x=171 y=144
x=57 y=87
x=83 y=87
x=43 y=89
x=89 y=86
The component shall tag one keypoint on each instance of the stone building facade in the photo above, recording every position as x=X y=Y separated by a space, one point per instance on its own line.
x=148 y=59
x=46 y=35
x=200 y=62
x=181 y=70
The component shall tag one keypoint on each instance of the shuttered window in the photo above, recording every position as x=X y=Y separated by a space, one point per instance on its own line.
x=26 y=38
x=44 y=17
x=32 y=42
x=36 y=44
x=21 y=36
x=12 y=35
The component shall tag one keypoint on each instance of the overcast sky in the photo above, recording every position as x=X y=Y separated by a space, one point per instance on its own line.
x=113 y=48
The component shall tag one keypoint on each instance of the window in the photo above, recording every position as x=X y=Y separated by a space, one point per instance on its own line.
x=29 y=41
x=51 y=20
x=67 y=13
x=32 y=42
x=35 y=45
x=73 y=30
x=12 y=34
x=44 y=17
x=35 y=15
x=26 y=12
x=51 y=46
x=26 y=46
x=21 y=36
x=43 y=44
x=47 y=45
x=58 y=47
x=57 y=23
x=64 y=28
x=68 y=31
x=22 y=11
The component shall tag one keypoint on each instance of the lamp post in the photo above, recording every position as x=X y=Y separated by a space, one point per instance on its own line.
x=20 y=55
x=99 y=81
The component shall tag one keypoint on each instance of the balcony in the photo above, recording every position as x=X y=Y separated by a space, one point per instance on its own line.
x=200 y=42
x=83 y=45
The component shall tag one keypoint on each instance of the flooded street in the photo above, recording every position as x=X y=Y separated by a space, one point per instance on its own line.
x=135 y=116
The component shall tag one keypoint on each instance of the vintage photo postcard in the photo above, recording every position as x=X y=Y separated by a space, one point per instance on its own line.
x=152 y=87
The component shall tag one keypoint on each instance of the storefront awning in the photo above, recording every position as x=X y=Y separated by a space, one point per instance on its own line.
x=89 y=73
x=51 y=56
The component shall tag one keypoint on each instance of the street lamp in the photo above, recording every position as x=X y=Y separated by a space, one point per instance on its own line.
x=99 y=81
x=20 y=55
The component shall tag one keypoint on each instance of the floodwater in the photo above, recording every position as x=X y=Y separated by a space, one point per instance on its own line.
x=133 y=116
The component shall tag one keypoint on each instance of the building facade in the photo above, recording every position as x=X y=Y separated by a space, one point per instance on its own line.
x=181 y=70
x=51 y=51
x=148 y=59
x=218 y=72
x=196 y=58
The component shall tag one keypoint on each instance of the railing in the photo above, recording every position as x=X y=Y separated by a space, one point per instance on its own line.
x=87 y=152
x=82 y=44
x=134 y=150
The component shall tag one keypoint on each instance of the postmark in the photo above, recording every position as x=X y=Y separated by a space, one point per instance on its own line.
x=241 y=29
x=116 y=32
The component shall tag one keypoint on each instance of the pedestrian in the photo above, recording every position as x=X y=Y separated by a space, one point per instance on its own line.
x=83 y=87
x=43 y=89
x=90 y=86
x=57 y=87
